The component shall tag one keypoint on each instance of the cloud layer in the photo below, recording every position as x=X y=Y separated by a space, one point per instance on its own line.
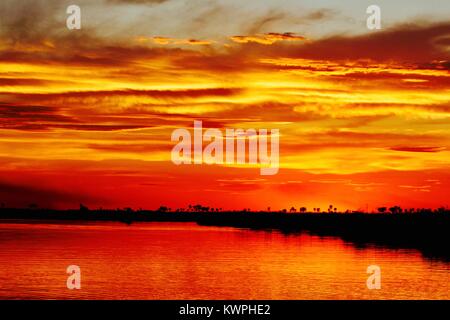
x=368 y=111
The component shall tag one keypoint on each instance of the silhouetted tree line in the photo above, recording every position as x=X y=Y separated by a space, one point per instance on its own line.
x=423 y=229
x=206 y=209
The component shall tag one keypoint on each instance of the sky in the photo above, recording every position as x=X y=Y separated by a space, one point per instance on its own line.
x=86 y=115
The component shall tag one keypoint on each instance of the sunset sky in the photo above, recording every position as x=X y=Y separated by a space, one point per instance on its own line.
x=86 y=115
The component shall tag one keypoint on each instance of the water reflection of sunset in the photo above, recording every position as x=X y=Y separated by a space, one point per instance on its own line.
x=153 y=261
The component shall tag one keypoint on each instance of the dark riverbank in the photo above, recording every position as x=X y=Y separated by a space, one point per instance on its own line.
x=428 y=232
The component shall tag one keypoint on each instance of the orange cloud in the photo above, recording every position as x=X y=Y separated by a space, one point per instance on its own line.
x=172 y=41
x=268 y=38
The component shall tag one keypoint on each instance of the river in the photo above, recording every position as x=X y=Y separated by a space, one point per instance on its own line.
x=187 y=261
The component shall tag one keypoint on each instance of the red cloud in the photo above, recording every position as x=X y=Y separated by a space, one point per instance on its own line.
x=419 y=149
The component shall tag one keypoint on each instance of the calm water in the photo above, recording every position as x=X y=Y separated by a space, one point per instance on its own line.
x=186 y=261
